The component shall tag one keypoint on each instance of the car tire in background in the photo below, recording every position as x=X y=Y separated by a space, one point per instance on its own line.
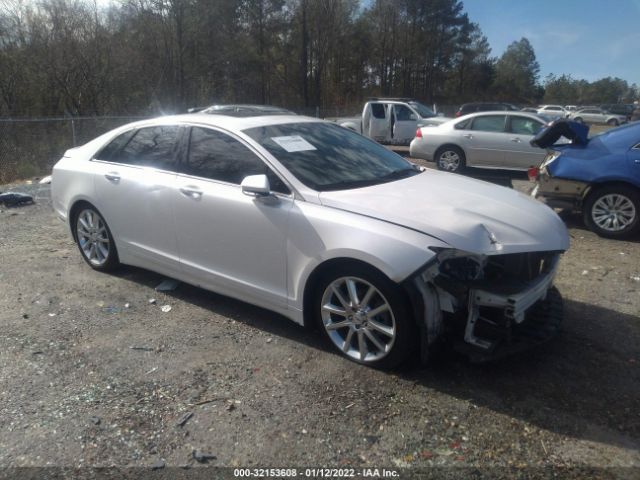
x=450 y=159
x=578 y=119
x=94 y=239
x=365 y=316
x=613 y=211
x=613 y=122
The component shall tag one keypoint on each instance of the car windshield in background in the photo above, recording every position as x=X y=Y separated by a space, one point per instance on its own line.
x=424 y=111
x=328 y=157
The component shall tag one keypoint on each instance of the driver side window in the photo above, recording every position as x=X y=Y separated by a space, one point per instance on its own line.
x=218 y=156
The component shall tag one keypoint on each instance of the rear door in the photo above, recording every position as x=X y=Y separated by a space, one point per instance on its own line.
x=231 y=242
x=519 y=153
x=379 y=122
x=405 y=124
x=484 y=140
x=135 y=187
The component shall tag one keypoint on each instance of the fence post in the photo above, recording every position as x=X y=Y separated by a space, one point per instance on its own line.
x=73 y=131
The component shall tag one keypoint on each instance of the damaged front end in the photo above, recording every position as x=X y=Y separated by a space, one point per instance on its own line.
x=490 y=306
x=557 y=192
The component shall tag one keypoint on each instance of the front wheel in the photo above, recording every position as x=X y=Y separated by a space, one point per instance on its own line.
x=365 y=316
x=613 y=211
x=95 y=240
x=450 y=159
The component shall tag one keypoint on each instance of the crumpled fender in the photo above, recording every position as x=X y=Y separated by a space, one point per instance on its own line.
x=578 y=133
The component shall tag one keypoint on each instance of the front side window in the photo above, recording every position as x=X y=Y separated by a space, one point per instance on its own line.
x=489 y=123
x=423 y=110
x=149 y=147
x=525 y=126
x=325 y=157
x=402 y=113
x=218 y=156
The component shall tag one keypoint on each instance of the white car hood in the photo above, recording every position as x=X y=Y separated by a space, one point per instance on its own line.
x=469 y=215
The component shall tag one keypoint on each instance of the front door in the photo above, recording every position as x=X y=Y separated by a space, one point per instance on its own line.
x=484 y=140
x=228 y=241
x=405 y=124
x=519 y=153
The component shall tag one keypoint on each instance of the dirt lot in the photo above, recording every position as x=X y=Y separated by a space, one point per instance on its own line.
x=94 y=374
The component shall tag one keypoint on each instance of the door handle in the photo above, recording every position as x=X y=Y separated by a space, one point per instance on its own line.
x=516 y=140
x=112 y=177
x=467 y=135
x=191 y=192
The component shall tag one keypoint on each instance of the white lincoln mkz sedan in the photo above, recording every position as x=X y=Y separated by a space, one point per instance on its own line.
x=322 y=225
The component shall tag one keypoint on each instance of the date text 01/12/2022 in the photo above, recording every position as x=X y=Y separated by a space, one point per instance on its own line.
x=316 y=472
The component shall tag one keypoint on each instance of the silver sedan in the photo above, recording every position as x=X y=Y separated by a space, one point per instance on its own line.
x=599 y=116
x=319 y=224
x=486 y=140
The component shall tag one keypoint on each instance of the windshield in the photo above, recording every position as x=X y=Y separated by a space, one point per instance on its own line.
x=423 y=110
x=325 y=157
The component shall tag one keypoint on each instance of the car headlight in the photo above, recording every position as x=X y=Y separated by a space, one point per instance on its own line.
x=460 y=265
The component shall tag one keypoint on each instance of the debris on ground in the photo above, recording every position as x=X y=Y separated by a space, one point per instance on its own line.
x=167 y=285
x=95 y=420
x=158 y=464
x=15 y=199
x=184 y=419
x=152 y=301
x=202 y=457
x=127 y=305
x=635 y=278
x=46 y=180
x=166 y=308
x=143 y=349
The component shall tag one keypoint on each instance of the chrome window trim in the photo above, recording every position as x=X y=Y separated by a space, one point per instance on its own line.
x=636 y=146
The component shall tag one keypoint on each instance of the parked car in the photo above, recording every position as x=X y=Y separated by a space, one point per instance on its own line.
x=570 y=108
x=599 y=177
x=619 y=109
x=554 y=112
x=322 y=225
x=635 y=116
x=389 y=120
x=243 y=110
x=598 y=116
x=468 y=108
x=486 y=140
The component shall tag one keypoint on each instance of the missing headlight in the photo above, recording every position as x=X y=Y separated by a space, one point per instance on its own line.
x=460 y=266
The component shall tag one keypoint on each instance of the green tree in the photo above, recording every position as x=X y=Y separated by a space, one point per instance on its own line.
x=517 y=73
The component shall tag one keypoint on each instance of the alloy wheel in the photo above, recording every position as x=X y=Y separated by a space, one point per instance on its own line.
x=613 y=212
x=449 y=161
x=93 y=237
x=358 y=319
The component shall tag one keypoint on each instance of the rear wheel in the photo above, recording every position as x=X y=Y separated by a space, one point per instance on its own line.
x=94 y=240
x=613 y=211
x=578 y=119
x=613 y=122
x=450 y=159
x=365 y=316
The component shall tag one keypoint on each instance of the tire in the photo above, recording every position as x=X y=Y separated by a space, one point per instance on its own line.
x=94 y=239
x=451 y=159
x=578 y=119
x=613 y=211
x=383 y=340
x=613 y=122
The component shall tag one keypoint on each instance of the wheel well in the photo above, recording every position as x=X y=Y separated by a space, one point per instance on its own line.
x=316 y=276
x=616 y=183
x=448 y=145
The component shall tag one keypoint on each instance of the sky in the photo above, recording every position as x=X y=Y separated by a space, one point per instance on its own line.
x=589 y=39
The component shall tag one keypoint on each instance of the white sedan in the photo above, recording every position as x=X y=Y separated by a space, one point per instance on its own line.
x=320 y=224
x=484 y=140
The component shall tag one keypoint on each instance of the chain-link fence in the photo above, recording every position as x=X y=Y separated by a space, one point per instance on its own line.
x=30 y=147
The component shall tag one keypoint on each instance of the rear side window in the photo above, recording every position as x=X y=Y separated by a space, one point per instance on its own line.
x=489 y=123
x=377 y=110
x=108 y=152
x=218 y=156
x=525 y=126
x=150 y=147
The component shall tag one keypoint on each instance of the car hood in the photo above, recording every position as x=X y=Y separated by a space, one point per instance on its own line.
x=467 y=214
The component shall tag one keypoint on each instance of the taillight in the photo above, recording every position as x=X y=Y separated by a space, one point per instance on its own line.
x=532 y=173
x=419 y=133
x=458 y=114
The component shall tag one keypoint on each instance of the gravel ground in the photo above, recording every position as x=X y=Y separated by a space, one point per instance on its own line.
x=93 y=374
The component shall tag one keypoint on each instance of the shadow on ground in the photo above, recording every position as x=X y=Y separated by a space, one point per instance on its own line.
x=585 y=383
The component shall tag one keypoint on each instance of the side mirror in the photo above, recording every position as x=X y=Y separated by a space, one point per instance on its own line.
x=256 y=185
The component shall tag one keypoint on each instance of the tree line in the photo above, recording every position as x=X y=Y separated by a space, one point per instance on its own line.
x=83 y=58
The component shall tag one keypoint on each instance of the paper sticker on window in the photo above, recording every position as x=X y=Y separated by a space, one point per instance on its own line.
x=293 y=143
